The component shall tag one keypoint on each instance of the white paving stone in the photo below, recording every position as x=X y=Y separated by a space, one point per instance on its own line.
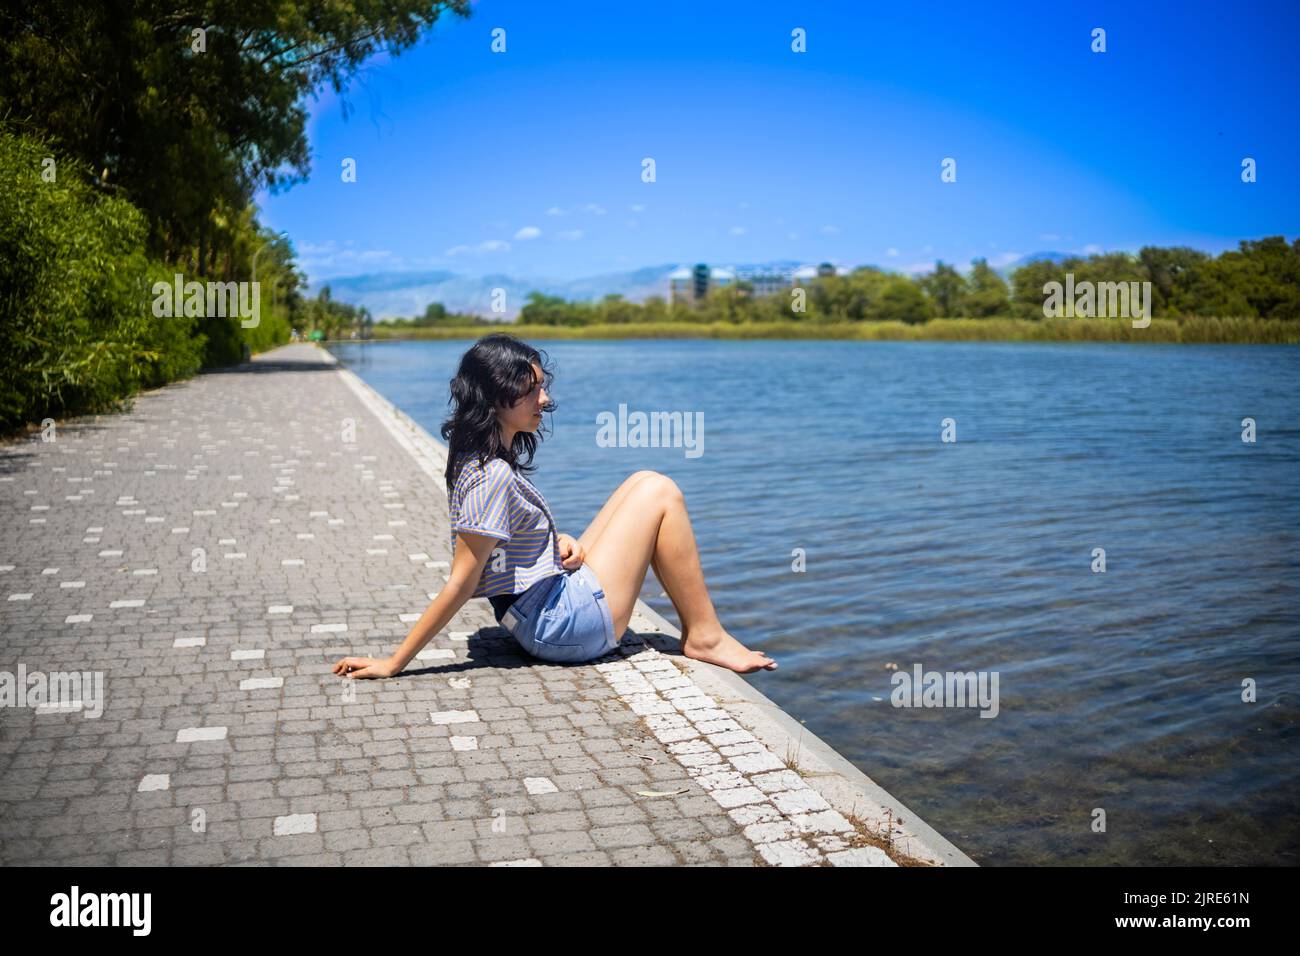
x=698 y=745
x=789 y=853
x=805 y=800
x=294 y=824
x=730 y=797
x=754 y=813
x=756 y=762
x=261 y=683
x=861 y=856
x=193 y=734
x=776 y=782
x=768 y=832
x=823 y=821
x=536 y=785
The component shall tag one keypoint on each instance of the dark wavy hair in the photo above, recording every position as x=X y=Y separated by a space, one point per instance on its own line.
x=497 y=370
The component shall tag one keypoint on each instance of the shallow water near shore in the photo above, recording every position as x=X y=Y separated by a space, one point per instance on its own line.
x=1118 y=691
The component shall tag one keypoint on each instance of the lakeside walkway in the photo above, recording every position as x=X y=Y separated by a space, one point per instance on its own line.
x=213 y=551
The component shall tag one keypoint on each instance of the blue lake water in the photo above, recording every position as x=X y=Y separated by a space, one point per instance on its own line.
x=1120 y=690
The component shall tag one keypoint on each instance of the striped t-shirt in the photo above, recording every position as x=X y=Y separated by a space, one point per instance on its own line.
x=497 y=501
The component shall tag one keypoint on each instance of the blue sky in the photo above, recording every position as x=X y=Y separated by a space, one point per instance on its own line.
x=528 y=162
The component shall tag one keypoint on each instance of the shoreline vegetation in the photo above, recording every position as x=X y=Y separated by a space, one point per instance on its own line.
x=1188 y=331
x=1174 y=294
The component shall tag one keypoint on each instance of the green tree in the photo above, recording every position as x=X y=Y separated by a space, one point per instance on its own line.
x=986 y=292
x=945 y=288
x=543 y=309
x=190 y=133
x=899 y=299
x=76 y=315
x=1171 y=272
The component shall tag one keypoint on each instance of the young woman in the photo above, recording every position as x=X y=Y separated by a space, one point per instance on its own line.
x=563 y=599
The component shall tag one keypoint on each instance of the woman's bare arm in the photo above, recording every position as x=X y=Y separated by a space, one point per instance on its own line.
x=472 y=553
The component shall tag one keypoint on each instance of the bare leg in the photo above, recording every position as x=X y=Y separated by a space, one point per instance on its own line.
x=588 y=537
x=650 y=524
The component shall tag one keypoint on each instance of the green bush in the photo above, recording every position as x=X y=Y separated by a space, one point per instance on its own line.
x=78 y=328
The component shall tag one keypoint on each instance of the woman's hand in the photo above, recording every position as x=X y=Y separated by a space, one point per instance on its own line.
x=571 y=553
x=365 y=667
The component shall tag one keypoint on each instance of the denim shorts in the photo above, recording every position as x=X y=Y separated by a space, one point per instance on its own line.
x=564 y=620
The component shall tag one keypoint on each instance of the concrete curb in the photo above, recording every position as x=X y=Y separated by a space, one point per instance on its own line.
x=846 y=788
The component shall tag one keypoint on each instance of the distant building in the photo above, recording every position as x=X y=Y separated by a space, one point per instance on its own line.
x=688 y=286
x=806 y=274
x=767 y=283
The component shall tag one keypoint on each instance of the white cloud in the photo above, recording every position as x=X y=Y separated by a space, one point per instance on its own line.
x=1049 y=237
x=489 y=245
x=596 y=208
x=569 y=235
x=737 y=230
x=528 y=232
x=632 y=223
x=1004 y=259
x=830 y=230
x=638 y=207
x=1092 y=249
x=317 y=248
x=332 y=258
x=793 y=235
x=918 y=268
x=891 y=251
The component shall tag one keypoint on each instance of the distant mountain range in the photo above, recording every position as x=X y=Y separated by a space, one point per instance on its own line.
x=407 y=294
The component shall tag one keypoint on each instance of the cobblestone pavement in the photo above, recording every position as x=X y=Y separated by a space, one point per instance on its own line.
x=210 y=553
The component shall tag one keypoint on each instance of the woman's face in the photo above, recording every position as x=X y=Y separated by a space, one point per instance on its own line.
x=526 y=414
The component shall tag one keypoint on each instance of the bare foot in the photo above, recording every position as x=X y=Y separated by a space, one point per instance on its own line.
x=719 y=647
